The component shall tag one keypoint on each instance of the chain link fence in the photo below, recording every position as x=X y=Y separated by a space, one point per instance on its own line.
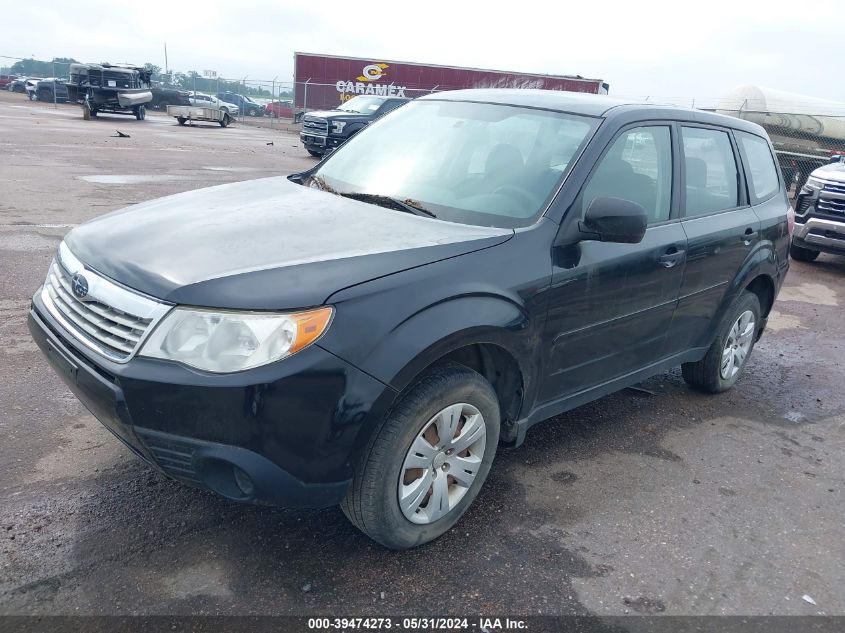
x=805 y=135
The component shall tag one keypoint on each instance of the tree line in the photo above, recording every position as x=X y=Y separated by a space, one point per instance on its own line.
x=191 y=80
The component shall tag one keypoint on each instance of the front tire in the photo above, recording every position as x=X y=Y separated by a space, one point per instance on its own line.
x=424 y=467
x=801 y=254
x=727 y=357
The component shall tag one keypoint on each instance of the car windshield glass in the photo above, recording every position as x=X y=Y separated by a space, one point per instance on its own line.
x=473 y=163
x=362 y=105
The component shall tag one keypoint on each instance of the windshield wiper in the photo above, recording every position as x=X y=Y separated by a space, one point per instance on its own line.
x=408 y=205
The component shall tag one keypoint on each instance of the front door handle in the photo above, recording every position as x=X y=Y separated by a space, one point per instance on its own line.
x=671 y=257
x=746 y=237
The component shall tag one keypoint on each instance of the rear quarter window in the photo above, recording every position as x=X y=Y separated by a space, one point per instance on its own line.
x=762 y=178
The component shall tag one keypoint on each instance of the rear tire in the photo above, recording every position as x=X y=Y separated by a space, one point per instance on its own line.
x=728 y=355
x=801 y=254
x=140 y=112
x=465 y=403
x=181 y=120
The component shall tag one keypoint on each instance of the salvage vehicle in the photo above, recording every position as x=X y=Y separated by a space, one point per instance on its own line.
x=245 y=105
x=327 y=130
x=163 y=97
x=820 y=214
x=283 y=109
x=30 y=85
x=112 y=88
x=51 y=90
x=188 y=114
x=209 y=101
x=368 y=332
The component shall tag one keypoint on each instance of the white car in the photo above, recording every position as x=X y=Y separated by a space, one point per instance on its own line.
x=30 y=85
x=202 y=99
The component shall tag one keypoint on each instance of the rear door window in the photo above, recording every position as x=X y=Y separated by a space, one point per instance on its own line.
x=759 y=162
x=712 y=178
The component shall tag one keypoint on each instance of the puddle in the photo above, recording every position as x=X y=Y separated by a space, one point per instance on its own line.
x=231 y=168
x=128 y=179
x=779 y=321
x=817 y=294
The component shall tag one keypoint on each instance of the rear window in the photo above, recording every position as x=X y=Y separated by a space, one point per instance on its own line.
x=712 y=183
x=758 y=159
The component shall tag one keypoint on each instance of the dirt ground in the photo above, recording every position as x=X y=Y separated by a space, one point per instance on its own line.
x=658 y=501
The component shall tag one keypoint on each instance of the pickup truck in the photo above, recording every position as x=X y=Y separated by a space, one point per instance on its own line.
x=327 y=130
x=820 y=214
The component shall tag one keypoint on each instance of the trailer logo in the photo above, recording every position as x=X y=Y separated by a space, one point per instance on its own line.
x=373 y=72
x=366 y=84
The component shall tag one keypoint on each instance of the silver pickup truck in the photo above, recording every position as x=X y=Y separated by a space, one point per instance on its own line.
x=820 y=214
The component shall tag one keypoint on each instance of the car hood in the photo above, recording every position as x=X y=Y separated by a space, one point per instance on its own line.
x=833 y=171
x=264 y=244
x=337 y=114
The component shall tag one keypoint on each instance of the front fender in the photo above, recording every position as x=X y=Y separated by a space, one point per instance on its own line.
x=434 y=332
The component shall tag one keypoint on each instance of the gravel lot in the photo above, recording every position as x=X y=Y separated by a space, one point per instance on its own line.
x=657 y=501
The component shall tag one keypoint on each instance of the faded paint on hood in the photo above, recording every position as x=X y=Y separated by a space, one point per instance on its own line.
x=264 y=244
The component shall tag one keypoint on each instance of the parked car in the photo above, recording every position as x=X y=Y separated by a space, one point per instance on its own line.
x=45 y=88
x=369 y=331
x=283 y=109
x=327 y=130
x=30 y=86
x=18 y=85
x=5 y=80
x=163 y=97
x=820 y=213
x=246 y=105
x=209 y=101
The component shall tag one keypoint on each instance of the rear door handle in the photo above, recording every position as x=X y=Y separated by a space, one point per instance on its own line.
x=671 y=257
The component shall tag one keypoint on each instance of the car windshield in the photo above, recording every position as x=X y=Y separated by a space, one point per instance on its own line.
x=473 y=163
x=362 y=105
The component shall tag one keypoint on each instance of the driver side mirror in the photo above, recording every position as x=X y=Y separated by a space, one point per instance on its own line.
x=613 y=220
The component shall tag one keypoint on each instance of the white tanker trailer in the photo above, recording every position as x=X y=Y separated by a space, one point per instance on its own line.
x=805 y=131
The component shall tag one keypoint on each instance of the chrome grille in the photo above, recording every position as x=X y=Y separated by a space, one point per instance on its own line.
x=834 y=187
x=110 y=319
x=315 y=125
x=831 y=205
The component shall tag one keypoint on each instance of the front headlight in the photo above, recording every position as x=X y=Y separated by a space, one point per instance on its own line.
x=223 y=342
x=337 y=126
x=812 y=185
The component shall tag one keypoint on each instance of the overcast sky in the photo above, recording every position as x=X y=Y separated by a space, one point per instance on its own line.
x=676 y=50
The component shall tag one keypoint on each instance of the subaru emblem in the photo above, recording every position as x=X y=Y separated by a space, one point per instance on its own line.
x=79 y=285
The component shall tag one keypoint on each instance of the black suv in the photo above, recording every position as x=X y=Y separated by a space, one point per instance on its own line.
x=370 y=331
x=45 y=89
x=327 y=130
x=163 y=97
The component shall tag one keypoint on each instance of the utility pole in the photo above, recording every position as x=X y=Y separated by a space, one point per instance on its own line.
x=166 y=68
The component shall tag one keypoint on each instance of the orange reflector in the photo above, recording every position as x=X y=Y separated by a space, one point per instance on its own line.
x=310 y=326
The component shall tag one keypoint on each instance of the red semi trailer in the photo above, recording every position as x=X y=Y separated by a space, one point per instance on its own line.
x=323 y=82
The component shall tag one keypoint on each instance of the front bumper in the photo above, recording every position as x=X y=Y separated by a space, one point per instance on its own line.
x=288 y=433
x=821 y=235
x=320 y=143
